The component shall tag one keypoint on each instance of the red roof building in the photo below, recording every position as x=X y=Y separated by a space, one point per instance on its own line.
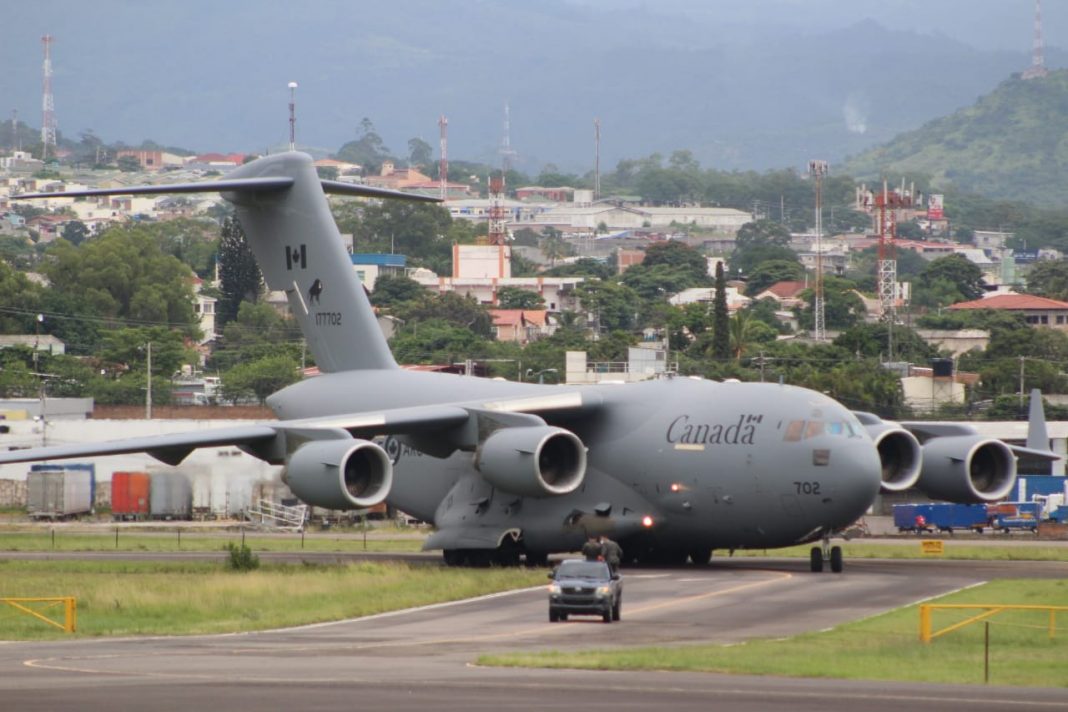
x=519 y=325
x=1039 y=311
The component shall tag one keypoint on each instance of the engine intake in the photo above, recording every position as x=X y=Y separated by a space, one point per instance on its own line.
x=967 y=469
x=538 y=461
x=340 y=474
x=900 y=455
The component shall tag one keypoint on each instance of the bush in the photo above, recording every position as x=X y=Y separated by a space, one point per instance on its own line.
x=242 y=558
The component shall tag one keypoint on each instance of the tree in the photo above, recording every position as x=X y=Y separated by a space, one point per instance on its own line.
x=772 y=272
x=124 y=274
x=1049 y=279
x=721 y=344
x=677 y=254
x=762 y=233
x=239 y=275
x=367 y=150
x=393 y=289
x=128 y=164
x=75 y=232
x=419 y=152
x=611 y=306
x=518 y=298
x=957 y=270
x=259 y=378
x=553 y=245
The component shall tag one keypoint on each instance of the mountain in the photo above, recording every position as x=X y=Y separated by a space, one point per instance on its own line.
x=1011 y=145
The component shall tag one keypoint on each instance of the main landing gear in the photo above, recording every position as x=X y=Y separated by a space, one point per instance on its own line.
x=828 y=553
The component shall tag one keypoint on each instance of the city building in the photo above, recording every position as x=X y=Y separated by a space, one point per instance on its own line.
x=1039 y=311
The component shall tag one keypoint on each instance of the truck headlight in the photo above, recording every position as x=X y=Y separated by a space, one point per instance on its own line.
x=554 y=588
x=604 y=590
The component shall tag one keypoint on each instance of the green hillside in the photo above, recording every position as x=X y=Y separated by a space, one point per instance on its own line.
x=1011 y=145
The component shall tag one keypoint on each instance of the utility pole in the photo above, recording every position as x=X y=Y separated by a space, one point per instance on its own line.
x=148 y=390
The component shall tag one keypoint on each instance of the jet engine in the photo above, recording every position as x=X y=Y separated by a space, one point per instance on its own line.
x=899 y=453
x=340 y=474
x=535 y=461
x=967 y=469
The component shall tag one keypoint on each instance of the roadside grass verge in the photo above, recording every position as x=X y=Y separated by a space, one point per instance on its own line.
x=972 y=549
x=885 y=647
x=178 y=598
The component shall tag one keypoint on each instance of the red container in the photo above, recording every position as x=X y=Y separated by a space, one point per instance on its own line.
x=129 y=495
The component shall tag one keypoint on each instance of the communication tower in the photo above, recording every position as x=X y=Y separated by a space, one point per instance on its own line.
x=292 y=116
x=597 y=159
x=818 y=169
x=443 y=167
x=498 y=216
x=508 y=154
x=1038 y=64
x=886 y=205
x=48 y=123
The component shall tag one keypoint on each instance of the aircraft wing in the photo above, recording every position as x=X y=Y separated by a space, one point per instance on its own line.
x=927 y=430
x=436 y=429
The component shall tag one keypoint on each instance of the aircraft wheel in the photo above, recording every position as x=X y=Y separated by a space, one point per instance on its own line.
x=836 y=559
x=701 y=555
x=453 y=557
x=815 y=559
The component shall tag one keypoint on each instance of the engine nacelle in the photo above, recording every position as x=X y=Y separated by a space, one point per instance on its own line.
x=967 y=469
x=900 y=455
x=537 y=461
x=340 y=474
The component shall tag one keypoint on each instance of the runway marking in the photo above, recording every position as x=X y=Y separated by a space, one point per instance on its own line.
x=55 y=663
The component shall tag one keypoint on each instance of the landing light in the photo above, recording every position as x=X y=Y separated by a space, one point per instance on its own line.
x=676 y=487
x=647 y=521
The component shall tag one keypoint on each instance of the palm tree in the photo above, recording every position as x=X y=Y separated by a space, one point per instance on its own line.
x=741 y=332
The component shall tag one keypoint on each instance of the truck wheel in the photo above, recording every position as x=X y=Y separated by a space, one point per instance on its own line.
x=606 y=616
x=553 y=617
x=615 y=610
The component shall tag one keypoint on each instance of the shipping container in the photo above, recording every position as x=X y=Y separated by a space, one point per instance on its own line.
x=170 y=496
x=58 y=493
x=130 y=495
x=941 y=516
x=89 y=467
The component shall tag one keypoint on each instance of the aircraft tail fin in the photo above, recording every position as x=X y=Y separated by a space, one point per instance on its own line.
x=1037 y=436
x=282 y=207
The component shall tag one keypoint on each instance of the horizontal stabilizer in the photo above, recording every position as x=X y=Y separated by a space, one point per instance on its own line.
x=335 y=187
x=237 y=185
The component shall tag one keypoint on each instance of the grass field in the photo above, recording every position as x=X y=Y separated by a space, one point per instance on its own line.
x=184 y=539
x=885 y=647
x=160 y=598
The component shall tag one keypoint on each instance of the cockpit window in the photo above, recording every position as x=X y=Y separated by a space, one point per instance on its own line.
x=797 y=430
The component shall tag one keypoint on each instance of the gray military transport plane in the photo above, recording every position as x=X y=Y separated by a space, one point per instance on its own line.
x=671 y=468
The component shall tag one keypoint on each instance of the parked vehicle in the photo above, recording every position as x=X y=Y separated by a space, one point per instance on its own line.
x=1012 y=516
x=585 y=588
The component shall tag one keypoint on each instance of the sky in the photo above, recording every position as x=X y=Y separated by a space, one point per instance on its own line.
x=742 y=83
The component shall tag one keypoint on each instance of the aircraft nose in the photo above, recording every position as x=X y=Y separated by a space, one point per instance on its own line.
x=863 y=472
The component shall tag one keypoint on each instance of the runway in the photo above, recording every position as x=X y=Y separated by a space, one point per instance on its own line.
x=422 y=659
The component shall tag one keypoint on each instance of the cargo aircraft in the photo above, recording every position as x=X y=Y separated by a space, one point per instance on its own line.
x=671 y=468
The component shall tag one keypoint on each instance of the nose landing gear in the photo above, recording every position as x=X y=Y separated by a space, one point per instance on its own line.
x=831 y=554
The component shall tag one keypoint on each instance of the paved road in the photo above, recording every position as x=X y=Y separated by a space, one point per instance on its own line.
x=422 y=659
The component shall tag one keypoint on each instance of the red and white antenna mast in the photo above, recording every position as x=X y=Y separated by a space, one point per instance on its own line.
x=818 y=169
x=443 y=167
x=48 y=123
x=1038 y=64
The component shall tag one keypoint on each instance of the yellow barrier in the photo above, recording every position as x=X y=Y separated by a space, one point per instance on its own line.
x=70 y=610
x=932 y=547
x=926 y=635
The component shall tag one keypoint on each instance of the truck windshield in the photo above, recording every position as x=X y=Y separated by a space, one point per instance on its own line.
x=583 y=569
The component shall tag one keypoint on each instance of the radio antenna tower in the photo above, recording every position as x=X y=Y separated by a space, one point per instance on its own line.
x=818 y=169
x=507 y=153
x=48 y=124
x=292 y=116
x=1038 y=64
x=597 y=159
x=16 y=145
x=443 y=167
